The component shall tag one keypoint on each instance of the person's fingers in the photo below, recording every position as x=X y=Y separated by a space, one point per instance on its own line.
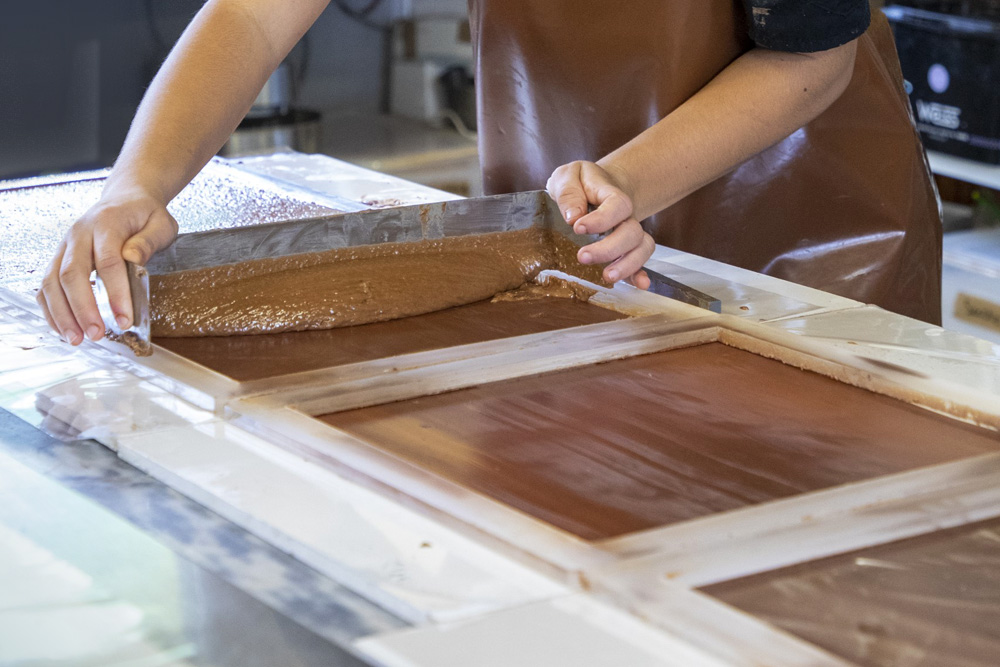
x=103 y=238
x=614 y=208
x=629 y=265
x=60 y=315
x=622 y=239
x=53 y=302
x=641 y=279
x=626 y=246
x=74 y=277
x=567 y=190
x=63 y=316
x=108 y=243
x=158 y=232
x=40 y=298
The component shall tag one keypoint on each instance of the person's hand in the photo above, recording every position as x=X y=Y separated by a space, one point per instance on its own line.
x=130 y=227
x=626 y=246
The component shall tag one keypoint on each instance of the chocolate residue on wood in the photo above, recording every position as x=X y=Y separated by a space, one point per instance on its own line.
x=550 y=288
x=131 y=340
x=628 y=445
x=355 y=285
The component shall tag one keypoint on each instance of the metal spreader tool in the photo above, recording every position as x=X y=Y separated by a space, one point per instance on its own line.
x=402 y=224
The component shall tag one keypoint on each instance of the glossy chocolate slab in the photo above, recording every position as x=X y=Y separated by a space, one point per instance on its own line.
x=245 y=358
x=930 y=601
x=345 y=286
x=615 y=448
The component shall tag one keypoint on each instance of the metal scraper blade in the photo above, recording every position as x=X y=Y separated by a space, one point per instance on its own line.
x=399 y=224
x=136 y=338
x=670 y=288
x=659 y=284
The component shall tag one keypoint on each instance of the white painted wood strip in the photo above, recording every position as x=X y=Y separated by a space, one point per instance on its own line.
x=811 y=526
x=574 y=630
x=728 y=634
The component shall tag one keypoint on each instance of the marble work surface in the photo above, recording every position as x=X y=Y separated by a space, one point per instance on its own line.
x=101 y=564
x=333 y=563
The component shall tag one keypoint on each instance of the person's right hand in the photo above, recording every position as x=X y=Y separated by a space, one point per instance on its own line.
x=118 y=228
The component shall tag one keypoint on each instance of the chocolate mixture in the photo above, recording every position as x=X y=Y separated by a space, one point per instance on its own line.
x=356 y=285
x=615 y=448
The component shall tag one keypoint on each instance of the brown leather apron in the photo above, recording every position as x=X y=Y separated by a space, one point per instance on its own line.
x=846 y=204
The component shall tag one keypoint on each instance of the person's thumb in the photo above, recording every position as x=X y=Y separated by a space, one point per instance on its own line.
x=566 y=189
x=158 y=232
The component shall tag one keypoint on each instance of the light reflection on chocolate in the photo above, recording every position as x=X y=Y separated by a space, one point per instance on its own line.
x=615 y=448
x=245 y=358
x=354 y=285
x=930 y=601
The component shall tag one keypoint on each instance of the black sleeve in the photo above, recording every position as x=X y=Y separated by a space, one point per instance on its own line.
x=805 y=26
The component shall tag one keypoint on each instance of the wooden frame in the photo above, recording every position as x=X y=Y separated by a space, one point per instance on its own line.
x=654 y=573
x=287 y=419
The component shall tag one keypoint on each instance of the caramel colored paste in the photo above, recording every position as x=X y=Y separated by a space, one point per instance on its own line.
x=929 y=601
x=245 y=358
x=553 y=287
x=355 y=285
x=615 y=448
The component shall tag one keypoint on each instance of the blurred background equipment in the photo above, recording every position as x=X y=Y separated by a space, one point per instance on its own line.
x=273 y=123
x=431 y=72
x=949 y=52
x=950 y=56
x=75 y=73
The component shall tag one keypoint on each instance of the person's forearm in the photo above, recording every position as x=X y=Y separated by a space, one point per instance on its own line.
x=204 y=89
x=761 y=98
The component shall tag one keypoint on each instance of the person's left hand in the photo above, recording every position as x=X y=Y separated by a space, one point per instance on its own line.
x=626 y=247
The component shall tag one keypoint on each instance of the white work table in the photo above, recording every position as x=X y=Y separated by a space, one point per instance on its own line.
x=370 y=576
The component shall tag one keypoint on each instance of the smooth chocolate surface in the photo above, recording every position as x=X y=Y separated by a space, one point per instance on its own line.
x=930 y=601
x=246 y=358
x=615 y=448
x=353 y=285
